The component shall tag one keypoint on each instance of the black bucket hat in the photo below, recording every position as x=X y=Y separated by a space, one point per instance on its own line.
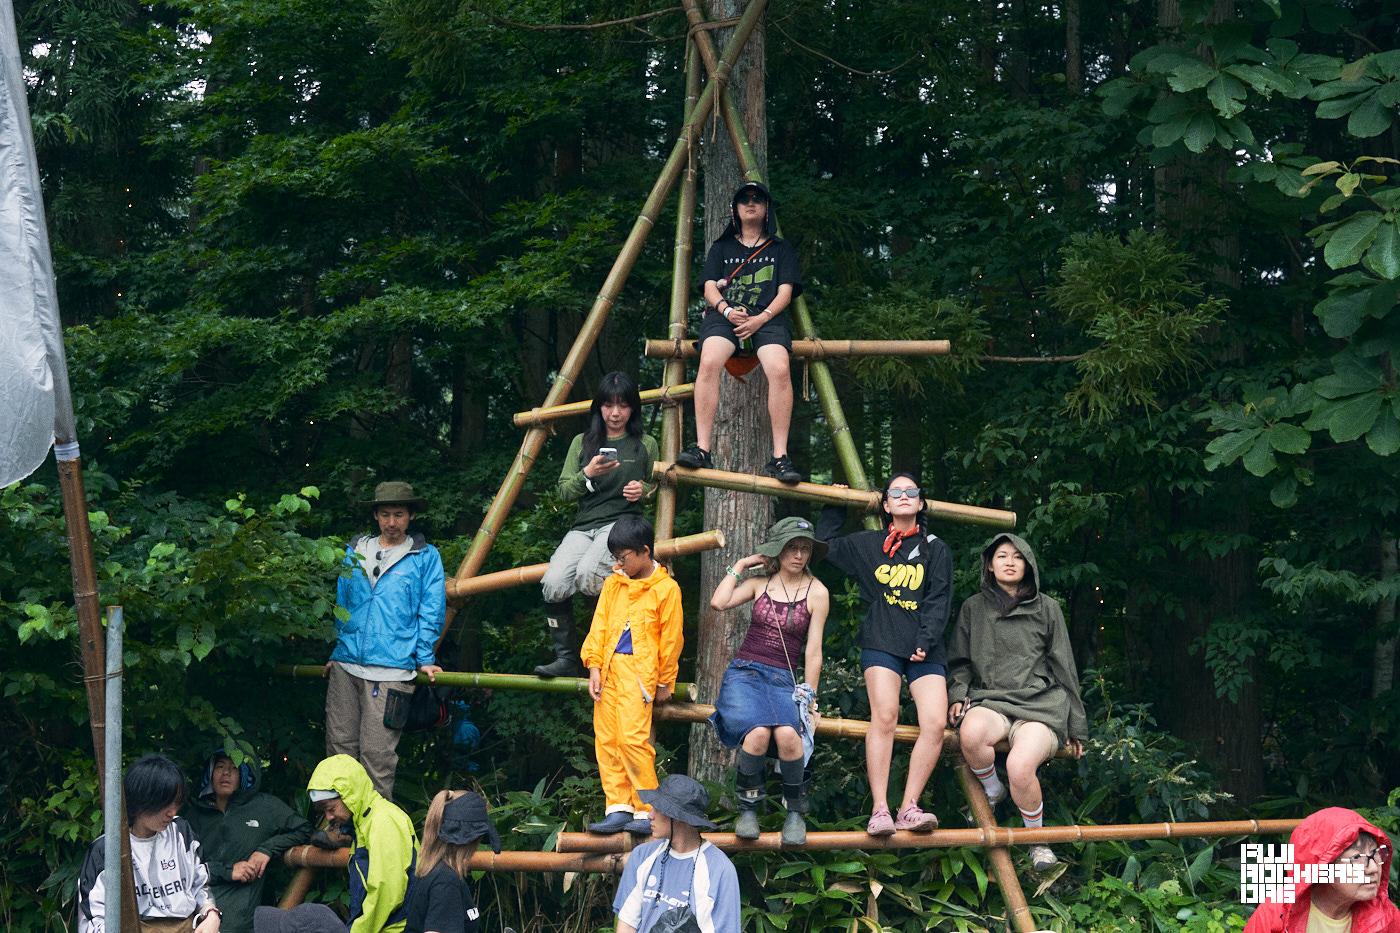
x=464 y=821
x=680 y=797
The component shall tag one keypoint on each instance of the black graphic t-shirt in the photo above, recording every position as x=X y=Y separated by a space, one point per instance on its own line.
x=757 y=283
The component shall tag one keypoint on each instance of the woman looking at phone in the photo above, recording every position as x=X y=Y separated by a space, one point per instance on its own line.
x=605 y=472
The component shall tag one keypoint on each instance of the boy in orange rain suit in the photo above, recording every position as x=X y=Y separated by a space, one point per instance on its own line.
x=632 y=653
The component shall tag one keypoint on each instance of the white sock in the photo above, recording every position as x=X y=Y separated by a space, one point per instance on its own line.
x=1034 y=819
x=990 y=782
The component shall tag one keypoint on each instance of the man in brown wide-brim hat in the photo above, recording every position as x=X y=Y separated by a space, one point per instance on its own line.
x=396 y=599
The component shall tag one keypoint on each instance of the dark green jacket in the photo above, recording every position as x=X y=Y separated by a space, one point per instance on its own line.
x=1019 y=664
x=253 y=822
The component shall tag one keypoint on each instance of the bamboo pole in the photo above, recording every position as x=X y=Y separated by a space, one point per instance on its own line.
x=488 y=681
x=991 y=837
x=607 y=295
x=813 y=349
x=829 y=728
x=312 y=857
x=822 y=380
x=668 y=395
x=830 y=495
x=298 y=887
x=533 y=573
x=672 y=420
x=997 y=854
x=84 y=573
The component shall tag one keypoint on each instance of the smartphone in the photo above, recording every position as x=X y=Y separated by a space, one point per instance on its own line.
x=609 y=453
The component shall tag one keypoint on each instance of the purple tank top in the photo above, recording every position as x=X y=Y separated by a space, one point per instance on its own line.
x=775 y=624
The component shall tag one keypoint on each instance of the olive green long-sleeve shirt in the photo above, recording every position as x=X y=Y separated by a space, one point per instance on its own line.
x=603 y=503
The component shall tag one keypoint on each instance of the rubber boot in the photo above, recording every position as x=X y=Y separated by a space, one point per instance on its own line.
x=560 y=619
x=748 y=786
x=796 y=799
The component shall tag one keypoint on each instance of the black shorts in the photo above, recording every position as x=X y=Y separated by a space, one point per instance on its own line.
x=776 y=331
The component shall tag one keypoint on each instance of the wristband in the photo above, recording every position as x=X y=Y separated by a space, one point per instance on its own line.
x=726 y=311
x=733 y=573
x=200 y=918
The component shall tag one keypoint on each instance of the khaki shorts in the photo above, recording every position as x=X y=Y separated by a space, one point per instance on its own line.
x=1050 y=743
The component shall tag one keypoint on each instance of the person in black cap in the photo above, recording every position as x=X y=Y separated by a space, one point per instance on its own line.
x=442 y=901
x=678 y=881
x=750 y=275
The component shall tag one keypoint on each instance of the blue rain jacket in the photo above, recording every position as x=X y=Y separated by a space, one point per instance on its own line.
x=396 y=622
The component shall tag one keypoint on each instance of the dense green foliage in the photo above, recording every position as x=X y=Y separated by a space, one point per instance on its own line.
x=305 y=245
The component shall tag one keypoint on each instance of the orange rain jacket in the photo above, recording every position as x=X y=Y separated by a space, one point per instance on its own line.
x=652 y=606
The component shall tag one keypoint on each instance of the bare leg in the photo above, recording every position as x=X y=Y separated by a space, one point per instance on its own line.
x=789 y=743
x=778 y=368
x=931 y=700
x=714 y=352
x=1035 y=743
x=882 y=687
x=980 y=731
x=756 y=740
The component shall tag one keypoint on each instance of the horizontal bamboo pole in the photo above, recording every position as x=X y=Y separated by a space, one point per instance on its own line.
x=829 y=727
x=483 y=860
x=814 y=349
x=540 y=416
x=831 y=495
x=593 y=843
x=488 y=681
x=533 y=573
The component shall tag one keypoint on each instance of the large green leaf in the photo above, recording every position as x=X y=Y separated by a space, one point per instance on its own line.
x=1200 y=132
x=1383 y=258
x=1227 y=95
x=1353 y=418
x=1384 y=436
x=1351 y=239
x=1342 y=312
x=1227 y=448
x=1260 y=460
x=1288 y=438
x=1369 y=119
x=1191 y=75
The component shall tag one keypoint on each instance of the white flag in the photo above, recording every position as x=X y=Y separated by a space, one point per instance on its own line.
x=35 y=407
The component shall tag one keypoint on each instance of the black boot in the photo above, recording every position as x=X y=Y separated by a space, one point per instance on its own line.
x=560 y=618
x=795 y=797
x=748 y=786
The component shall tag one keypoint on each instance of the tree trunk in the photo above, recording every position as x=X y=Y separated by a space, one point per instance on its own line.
x=741 y=437
x=1383 y=661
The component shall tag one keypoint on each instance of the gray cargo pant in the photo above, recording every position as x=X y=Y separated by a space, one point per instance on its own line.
x=355 y=725
x=579 y=564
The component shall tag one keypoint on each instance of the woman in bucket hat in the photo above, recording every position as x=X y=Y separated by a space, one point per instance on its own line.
x=678 y=882
x=442 y=901
x=763 y=709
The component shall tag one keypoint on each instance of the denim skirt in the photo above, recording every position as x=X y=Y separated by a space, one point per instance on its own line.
x=752 y=695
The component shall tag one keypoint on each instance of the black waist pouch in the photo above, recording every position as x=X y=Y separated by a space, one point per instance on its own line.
x=414 y=710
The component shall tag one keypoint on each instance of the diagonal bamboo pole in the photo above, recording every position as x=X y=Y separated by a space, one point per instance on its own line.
x=814 y=349
x=671 y=416
x=488 y=681
x=607 y=295
x=995 y=836
x=533 y=573
x=997 y=854
x=821 y=373
x=829 y=495
x=668 y=395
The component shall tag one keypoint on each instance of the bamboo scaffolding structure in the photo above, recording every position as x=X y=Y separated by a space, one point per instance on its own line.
x=593 y=324
x=813 y=349
x=998 y=854
x=830 y=495
x=829 y=727
x=668 y=395
x=830 y=402
x=312 y=857
x=990 y=837
x=672 y=420
x=488 y=681
x=533 y=573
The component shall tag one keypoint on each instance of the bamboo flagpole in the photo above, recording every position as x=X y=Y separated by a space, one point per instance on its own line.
x=607 y=295
x=830 y=495
x=533 y=573
x=813 y=349
x=667 y=395
x=488 y=681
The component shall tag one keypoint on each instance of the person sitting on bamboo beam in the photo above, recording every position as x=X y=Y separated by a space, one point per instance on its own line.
x=750 y=275
x=763 y=709
x=442 y=900
x=1013 y=677
x=632 y=653
x=396 y=598
x=905 y=577
x=607 y=472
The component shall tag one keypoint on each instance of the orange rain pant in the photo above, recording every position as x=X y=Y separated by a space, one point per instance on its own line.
x=622 y=737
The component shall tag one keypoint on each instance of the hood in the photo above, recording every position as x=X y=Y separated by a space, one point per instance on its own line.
x=347 y=777
x=641 y=586
x=770 y=224
x=1325 y=835
x=1019 y=544
x=250 y=774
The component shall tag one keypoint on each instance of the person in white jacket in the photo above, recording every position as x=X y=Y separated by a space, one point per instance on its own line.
x=172 y=881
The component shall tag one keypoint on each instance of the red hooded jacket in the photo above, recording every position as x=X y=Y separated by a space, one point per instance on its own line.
x=1320 y=839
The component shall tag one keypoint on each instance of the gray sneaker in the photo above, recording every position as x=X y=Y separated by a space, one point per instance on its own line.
x=1042 y=859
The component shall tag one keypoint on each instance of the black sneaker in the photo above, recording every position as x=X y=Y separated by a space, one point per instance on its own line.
x=695 y=457
x=782 y=470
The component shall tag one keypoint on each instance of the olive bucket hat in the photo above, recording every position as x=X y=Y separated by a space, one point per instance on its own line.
x=789 y=529
x=394 y=492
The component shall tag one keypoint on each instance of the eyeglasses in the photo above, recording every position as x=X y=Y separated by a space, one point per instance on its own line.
x=620 y=556
x=752 y=199
x=1361 y=858
x=909 y=492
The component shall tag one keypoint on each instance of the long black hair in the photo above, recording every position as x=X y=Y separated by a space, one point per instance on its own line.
x=152 y=783
x=614 y=387
x=885 y=498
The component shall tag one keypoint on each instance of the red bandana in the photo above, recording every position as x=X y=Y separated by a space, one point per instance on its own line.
x=892 y=542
